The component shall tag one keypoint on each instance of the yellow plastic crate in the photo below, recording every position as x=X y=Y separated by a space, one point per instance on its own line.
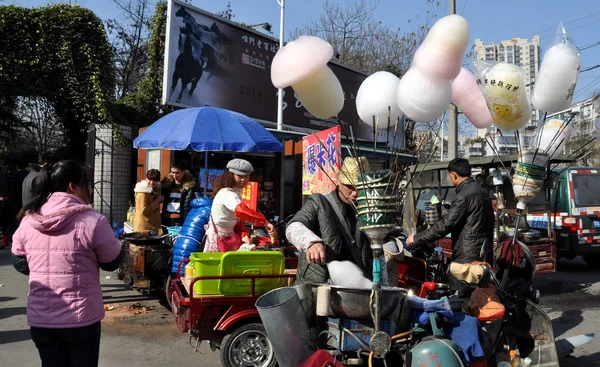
x=206 y=264
x=250 y=263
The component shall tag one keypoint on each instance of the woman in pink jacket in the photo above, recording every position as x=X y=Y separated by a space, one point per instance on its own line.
x=61 y=243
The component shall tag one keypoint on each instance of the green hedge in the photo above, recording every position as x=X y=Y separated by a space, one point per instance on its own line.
x=60 y=52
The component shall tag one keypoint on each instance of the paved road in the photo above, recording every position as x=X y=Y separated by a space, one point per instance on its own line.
x=572 y=298
x=149 y=339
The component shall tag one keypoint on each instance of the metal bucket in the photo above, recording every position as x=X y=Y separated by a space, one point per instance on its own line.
x=285 y=323
x=307 y=300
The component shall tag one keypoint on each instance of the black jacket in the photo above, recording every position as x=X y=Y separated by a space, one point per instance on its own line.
x=470 y=221
x=318 y=216
x=188 y=192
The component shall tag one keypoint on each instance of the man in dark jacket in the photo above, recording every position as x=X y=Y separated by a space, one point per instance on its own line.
x=178 y=189
x=317 y=232
x=470 y=219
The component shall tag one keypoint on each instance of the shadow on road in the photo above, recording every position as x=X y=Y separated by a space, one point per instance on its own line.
x=573 y=275
x=14 y=336
x=6 y=299
x=566 y=321
x=11 y=311
x=582 y=361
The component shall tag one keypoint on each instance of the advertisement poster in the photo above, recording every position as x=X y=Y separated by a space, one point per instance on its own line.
x=212 y=175
x=212 y=61
x=250 y=195
x=321 y=160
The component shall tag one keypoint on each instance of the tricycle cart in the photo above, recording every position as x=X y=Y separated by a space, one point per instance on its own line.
x=229 y=323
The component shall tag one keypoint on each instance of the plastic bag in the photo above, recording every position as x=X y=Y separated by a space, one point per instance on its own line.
x=552 y=136
x=557 y=77
x=503 y=86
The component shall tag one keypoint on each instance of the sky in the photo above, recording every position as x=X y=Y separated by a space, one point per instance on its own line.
x=491 y=21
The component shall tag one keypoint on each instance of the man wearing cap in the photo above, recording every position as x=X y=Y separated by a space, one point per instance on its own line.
x=470 y=221
x=317 y=232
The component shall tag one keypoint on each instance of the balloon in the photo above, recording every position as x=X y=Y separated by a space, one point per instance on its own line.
x=557 y=78
x=302 y=63
x=421 y=97
x=548 y=139
x=504 y=92
x=375 y=94
x=467 y=96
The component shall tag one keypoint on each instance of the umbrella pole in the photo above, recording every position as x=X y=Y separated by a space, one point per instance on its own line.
x=206 y=174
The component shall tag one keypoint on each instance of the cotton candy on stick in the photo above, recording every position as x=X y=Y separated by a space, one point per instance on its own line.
x=468 y=97
x=441 y=53
x=302 y=64
x=375 y=95
x=557 y=78
x=422 y=97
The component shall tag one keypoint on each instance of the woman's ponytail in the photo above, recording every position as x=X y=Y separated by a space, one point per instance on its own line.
x=42 y=188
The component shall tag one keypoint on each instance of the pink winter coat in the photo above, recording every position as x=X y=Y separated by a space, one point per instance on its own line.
x=63 y=245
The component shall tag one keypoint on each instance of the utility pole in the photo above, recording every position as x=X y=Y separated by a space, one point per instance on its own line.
x=280 y=91
x=452 y=114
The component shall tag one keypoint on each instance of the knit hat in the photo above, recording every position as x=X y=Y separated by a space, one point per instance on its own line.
x=351 y=170
x=240 y=167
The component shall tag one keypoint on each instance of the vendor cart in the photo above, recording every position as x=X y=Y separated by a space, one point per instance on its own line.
x=229 y=323
x=433 y=179
x=146 y=262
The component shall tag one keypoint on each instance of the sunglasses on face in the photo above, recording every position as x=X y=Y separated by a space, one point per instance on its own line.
x=176 y=173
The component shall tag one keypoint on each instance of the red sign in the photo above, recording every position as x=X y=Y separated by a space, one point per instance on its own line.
x=321 y=161
x=250 y=195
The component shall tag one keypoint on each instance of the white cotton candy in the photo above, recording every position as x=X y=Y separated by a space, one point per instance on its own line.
x=347 y=274
x=423 y=98
x=375 y=95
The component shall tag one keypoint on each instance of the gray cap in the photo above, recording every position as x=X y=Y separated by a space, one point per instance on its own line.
x=240 y=167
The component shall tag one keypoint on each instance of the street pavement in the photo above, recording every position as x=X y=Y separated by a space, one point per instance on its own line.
x=571 y=297
x=147 y=339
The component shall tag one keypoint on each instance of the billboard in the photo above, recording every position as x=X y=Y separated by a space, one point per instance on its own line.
x=212 y=61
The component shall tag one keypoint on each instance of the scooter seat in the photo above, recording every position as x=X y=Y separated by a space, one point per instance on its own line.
x=456 y=303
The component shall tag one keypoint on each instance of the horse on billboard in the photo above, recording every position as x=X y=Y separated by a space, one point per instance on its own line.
x=188 y=69
x=201 y=48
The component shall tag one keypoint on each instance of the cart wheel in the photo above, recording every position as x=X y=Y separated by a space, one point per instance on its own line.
x=247 y=345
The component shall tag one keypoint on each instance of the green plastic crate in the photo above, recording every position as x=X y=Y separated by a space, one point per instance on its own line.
x=206 y=264
x=250 y=263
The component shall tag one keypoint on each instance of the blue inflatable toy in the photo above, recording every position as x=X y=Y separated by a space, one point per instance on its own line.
x=192 y=232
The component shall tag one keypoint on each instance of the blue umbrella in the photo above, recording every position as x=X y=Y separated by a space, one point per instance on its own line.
x=208 y=129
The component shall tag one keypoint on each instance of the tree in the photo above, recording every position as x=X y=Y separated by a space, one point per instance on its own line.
x=361 y=42
x=60 y=53
x=41 y=126
x=129 y=40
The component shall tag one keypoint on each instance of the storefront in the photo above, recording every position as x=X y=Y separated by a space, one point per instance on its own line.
x=265 y=170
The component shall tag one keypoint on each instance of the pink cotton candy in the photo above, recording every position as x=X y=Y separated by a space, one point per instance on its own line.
x=438 y=60
x=468 y=97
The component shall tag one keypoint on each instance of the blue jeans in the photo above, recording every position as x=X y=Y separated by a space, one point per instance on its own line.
x=75 y=347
